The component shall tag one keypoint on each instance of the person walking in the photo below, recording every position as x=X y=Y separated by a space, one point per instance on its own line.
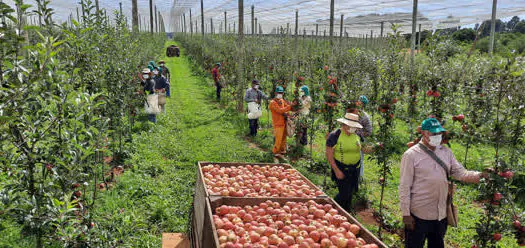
x=148 y=86
x=165 y=72
x=215 y=72
x=423 y=186
x=161 y=87
x=279 y=108
x=253 y=97
x=343 y=149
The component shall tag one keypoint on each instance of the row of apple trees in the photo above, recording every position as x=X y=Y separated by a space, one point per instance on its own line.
x=68 y=98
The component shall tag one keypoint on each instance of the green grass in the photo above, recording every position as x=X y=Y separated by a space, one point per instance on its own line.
x=155 y=194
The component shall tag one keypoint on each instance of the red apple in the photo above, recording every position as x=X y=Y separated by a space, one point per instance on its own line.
x=497 y=236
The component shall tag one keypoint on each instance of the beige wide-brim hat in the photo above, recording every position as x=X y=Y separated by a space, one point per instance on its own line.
x=351 y=120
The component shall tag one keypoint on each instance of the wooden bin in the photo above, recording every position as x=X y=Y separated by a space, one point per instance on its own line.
x=202 y=194
x=211 y=239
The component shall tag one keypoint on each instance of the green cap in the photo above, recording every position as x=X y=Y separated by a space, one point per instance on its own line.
x=364 y=100
x=305 y=89
x=279 y=89
x=432 y=125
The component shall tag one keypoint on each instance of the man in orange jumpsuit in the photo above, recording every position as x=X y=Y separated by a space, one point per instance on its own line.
x=279 y=107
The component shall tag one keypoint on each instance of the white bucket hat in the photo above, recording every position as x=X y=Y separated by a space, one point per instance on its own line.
x=351 y=120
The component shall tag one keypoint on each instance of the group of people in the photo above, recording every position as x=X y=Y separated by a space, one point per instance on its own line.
x=425 y=168
x=155 y=82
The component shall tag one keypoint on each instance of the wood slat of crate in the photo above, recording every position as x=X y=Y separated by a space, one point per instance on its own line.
x=210 y=238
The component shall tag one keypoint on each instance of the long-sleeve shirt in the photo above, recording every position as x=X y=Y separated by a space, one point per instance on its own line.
x=166 y=73
x=279 y=107
x=216 y=75
x=423 y=185
x=148 y=85
x=306 y=102
x=160 y=83
x=253 y=95
x=364 y=120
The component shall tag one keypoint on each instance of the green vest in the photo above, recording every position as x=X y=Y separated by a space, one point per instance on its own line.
x=348 y=149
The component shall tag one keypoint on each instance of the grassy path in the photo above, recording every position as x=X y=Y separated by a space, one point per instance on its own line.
x=155 y=195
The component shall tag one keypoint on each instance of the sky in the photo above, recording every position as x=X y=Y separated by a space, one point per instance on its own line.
x=359 y=15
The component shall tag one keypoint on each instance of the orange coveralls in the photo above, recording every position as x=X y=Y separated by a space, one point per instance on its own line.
x=279 y=107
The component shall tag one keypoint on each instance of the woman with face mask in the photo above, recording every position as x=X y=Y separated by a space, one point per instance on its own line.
x=304 y=111
x=279 y=107
x=253 y=97
x=148 y=85
x=343 y=152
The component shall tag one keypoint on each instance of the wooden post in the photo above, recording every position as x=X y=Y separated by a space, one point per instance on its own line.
x=341 y=28
x=151 y=16
x=493 y=26
x=332 y=20
x=419 y=38
x=191 y=24
x=240 y=68
x=225 y=22
x=156 y=20
x=97 y=7
x=184 y=29
x=296 y=22
x=382 y=24
x=120 y=9
x=135 y=15
x=253 y=20
x=413 y=38
x=202 y=17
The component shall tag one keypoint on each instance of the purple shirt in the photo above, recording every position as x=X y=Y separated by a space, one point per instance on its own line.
x=423 y=184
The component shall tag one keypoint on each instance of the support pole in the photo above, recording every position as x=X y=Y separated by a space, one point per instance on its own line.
x=316 y=29
x=211 y=25
x=191 y=24
x=256 y=31
x=296 y=23
x=120 y=9
x=413 y=38
x=253 y=20
x=240 y=65
x=332 y=20
x=151 y=16
x=135 y=15
x=225 y=22
x=184 y=29
x=202 y=17
x=382 y=25
x=341 y=27
x=156 y=20
x=419 y=38
x=493 y=26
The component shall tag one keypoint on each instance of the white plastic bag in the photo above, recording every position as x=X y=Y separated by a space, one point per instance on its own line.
x=151 y=106
x=254 y=110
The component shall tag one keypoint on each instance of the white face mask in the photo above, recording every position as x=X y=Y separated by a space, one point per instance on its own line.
x=156 y=72
x=279 y=96
x=435 y=140
x=146 y=76
x=162 y=65
x=301 y=93
x=256 y=87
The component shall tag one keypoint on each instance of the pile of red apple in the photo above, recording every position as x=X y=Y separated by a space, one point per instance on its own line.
x=256 y=181
x=295 y=224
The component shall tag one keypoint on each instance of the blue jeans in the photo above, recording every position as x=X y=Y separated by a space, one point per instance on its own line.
x=152 y=118
x=254 y=125
x=218 y=92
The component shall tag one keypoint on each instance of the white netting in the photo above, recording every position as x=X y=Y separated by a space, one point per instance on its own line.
x=360 y=16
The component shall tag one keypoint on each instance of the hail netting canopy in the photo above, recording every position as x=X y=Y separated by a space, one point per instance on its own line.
x=360 y=16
